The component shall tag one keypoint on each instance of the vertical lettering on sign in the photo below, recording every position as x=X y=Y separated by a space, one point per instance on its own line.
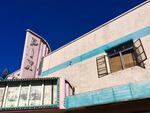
x=32 y=55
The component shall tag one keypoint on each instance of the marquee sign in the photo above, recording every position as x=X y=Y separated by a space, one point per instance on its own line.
x=35 y=48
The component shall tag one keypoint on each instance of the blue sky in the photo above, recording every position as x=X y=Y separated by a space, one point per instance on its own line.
x=58 y=21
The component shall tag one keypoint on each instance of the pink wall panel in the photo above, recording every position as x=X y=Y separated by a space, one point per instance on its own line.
x=67 y=89
x=62 y=93
x=34 y=50
x=39 y=60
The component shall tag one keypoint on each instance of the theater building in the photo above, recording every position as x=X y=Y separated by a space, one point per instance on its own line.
x=105 y=70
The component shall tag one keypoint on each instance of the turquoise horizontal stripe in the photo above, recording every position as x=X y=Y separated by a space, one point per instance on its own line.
x=110 y=95
x=133 y=36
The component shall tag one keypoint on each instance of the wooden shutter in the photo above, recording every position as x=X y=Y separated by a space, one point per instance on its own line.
x=115 y=63
x=139 y=52
x=129 y=59
x=101 y=66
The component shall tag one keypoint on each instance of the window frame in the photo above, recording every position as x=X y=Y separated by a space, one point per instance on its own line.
x=120 y=54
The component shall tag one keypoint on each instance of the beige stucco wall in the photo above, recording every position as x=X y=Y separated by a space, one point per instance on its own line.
x=84 y=75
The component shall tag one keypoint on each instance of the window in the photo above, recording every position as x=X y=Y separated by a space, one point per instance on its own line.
x=50 y=93
x=23 y=95
x=35 y=94
x=124 y=56
x=48 y=97
x=2 y=90
x=29 y=93
x=12 y=95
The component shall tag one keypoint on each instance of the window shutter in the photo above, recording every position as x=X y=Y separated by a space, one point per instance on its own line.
x=101 y=66
x=115 y=63
x=139 y=52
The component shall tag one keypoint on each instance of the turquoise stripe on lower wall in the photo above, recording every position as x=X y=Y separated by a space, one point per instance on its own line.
x=126 y=92
x=133 y=36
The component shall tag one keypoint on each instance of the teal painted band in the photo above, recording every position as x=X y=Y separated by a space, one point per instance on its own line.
x=133 y=36
x=126 y=92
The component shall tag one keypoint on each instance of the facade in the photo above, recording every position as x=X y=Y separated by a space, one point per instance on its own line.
x=78 y=60
x=106 y=67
